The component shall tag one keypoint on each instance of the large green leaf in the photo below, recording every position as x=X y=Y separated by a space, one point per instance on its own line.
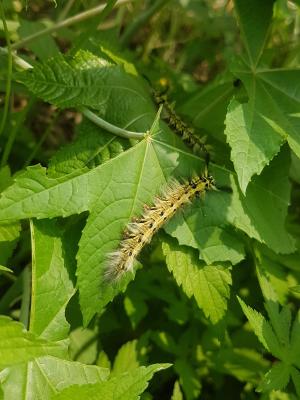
x=177 y=394
x=122 y=194
x=208 y=284
x=127 y=386
x=262 y=329
x=43 y=377
x=69 y=82
x=51 y=278
x=244 y=364
x=188 y=378
x=256 y=130
x=114 y=193
x=251 y=138
x=262 y=213
x=276 y=378
x=17 y=345
x=126 y=359
x=254 y=19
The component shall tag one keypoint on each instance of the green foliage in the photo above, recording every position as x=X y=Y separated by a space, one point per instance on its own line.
x=85 y=150
x=127 y=386
x=209 y=284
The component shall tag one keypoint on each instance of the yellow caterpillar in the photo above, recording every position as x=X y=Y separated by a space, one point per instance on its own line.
x=140 y=231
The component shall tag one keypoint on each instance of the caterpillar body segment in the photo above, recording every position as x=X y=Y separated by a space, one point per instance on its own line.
x=140 y=231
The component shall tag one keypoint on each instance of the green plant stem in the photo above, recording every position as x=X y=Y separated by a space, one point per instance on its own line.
x=17 y=60
x=63 y=24
x=9 y=70
x=141 y=20
x=25 y=304
x=14 y=131
x=109 y=127
x=42 y=139
x=66 y=10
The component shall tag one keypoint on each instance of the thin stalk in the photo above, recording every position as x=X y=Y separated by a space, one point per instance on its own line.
x=9 y=70
x=109 y=127
x=25 y=303
x=17 y=60
x=33 y=277
x=66 y=10
x=141 y=20
x=42 y=139
x=63 y=24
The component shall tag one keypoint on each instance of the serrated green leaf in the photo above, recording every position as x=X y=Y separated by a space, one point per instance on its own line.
x=127 y=386
x=92 y=147
x=119 y=60
x=32 y=190
x=256 y=130
x=177 y=394
x=272 y=277
x=243 y=363
x=126 y=359
x=17 y=345
x=201 y=227
x=254 y=20
x=281 y=323
x=112 y=205
x=295 y=375
x=208 y=284
x=43 y=377
x=116 y=205
x=37 y=195
x=252 y=140
x=295 y=289
x=280 y=320
x=103 y=360
x=188 y=379
x=120 y=97
x=51 y=279
x=262 y=330
x=276 y=378
x=274 y=93
x=261 y=214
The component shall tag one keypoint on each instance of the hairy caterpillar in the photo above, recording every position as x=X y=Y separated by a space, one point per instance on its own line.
x=181 y=128
x=141 y=230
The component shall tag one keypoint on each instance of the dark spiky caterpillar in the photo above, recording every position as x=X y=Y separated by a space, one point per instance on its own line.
x=181 y=128
x=140 y=231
